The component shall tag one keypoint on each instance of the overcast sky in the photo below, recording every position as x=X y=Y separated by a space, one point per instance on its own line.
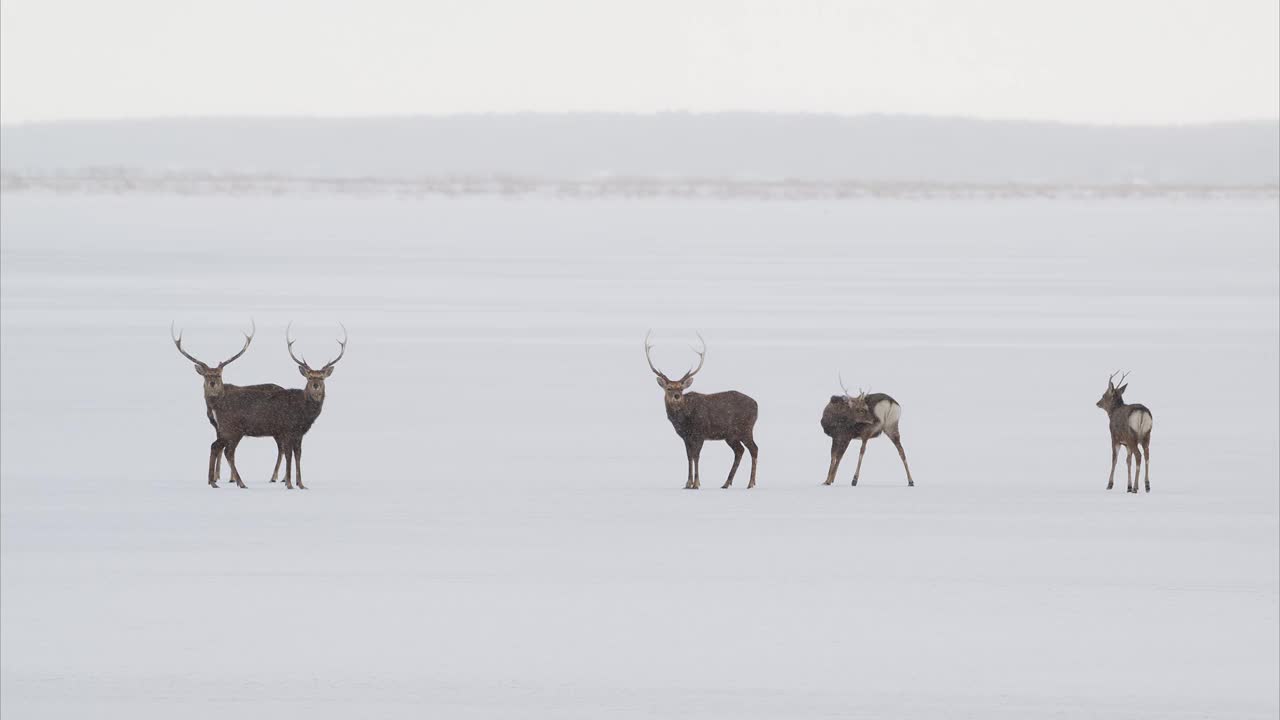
x=1112 y=61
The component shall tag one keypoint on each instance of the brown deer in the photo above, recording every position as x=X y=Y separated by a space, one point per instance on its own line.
x=215 y=390
x=284 y=414
x=728 y=416
x=1131 y=427
x=863 y=417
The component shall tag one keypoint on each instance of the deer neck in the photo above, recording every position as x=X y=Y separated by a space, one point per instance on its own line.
x=679 y=411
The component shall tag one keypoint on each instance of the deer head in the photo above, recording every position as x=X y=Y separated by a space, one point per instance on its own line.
x=315 y=378
x=857 y=403
x=674 y=389
x=1114 y=396
x=212 y=375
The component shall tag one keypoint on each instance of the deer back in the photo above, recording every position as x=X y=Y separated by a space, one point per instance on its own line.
x=266 y=412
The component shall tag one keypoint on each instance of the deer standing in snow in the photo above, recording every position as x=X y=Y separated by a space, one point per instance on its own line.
x=863 y=417
x=215 y=392
x=283 y=414
x=1131 y=427
x=729 y=416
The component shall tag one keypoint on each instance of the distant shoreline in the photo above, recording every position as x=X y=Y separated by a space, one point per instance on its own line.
x=134 y=182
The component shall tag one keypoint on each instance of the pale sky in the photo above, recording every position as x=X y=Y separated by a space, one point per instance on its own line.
x=1116 y=61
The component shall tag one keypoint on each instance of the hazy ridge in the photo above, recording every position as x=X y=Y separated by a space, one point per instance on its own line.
x=742 y=147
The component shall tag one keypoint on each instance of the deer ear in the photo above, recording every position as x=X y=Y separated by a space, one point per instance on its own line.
x=199 y=370
x=1120 y=390
x=303 y=372
x=661 y=383
x=326 y=372
x=686 y=383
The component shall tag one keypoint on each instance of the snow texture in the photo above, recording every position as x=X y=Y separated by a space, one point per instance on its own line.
x=495 y=525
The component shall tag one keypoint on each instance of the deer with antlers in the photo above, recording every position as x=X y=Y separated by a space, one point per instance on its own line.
x=1131 y=427
x=215 y=392
x=728 y=416
x=865 y=417
x=285 y=414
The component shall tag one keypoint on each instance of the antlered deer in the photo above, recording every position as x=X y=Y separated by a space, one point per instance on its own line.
x=215 y=390
x=1131 y=427
x=863 y=417
x=285 y=415
x=728 y=416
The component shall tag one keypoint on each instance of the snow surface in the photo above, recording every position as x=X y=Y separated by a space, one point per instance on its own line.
x=495 y=525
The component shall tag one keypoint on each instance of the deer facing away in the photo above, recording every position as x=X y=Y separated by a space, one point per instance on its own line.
x=863 y=417
x=728 y=416
x=1131 y=427
x=215 y=390
x=284 y=414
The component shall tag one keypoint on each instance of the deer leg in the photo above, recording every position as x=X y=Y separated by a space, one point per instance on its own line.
x=275 y=473
x=231 y=460
x=287 y=446
x=688 y=456
x=1111 y=479
x=755 y=451
x=897 y=442
x=297 y=463
x=1137 y=472
x=215 y=454
x=839 y=444
x=737 y=458
x=1128 y=469
x=697 y=459
x=858 y=470
x=1146 y=449
x=217 y=467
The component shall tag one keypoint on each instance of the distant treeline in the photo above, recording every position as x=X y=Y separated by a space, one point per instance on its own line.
x=756 y=148
x=121 y=181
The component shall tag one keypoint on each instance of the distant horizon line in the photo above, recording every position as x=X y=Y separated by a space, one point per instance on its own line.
x=320 y=117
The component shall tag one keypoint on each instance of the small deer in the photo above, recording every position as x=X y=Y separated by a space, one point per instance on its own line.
x=215 y=390
x=283 y=414
x=863 y=417
x=728 y=416
x=1131 y=427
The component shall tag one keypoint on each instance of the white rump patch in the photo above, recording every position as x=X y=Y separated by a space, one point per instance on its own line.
x=1140 y=423
x=887 y=413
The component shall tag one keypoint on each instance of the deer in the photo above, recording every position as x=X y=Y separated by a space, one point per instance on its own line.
x=215 y=390
x=865 y=417
x=1131 y=427
x=729 y=416
x=283 y=414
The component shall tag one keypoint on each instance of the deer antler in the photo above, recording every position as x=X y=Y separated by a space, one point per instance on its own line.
x=840 y=377
x=248 y=338
x=301 y=363
x=342 y=344
x=177 y=340
x=1122 y=377
x=702 y=358
x=647 y=347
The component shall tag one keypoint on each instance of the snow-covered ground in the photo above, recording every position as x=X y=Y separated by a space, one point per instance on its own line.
x=495 y=525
